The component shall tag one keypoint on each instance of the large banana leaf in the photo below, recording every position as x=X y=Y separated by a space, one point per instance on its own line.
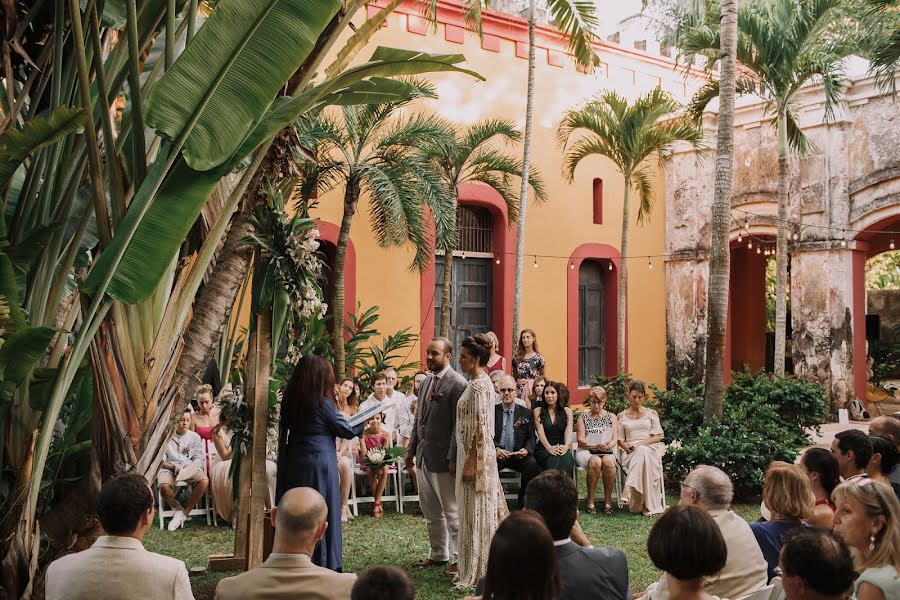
x=17 y=144
x=385 y=62
x=9 y=288
x=19 y=355
x=229 y=74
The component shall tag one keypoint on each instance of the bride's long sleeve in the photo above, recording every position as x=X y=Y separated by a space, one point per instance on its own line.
x=484 y=437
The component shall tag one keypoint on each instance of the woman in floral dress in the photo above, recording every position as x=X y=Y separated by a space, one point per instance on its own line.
x=527 y=362
x=479 y=494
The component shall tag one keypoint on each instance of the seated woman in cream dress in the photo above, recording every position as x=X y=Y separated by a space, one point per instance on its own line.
x=640 y=438
x=220 y=479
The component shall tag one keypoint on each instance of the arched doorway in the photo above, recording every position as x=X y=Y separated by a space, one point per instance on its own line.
x=591 y=329
x=471 y=290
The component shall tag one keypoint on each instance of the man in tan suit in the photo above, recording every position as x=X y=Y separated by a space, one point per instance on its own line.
x=300 y=521
x=745 y=570
x=117 y=567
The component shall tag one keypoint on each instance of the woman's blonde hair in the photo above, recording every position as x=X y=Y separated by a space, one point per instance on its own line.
x=493 y=337
x=787 y=491
x=202 y=389
x=597 y=392
x=877 y=499
x=340 y=399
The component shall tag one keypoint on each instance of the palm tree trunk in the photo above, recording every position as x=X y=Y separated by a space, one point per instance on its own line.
x=448 y=271
x=621 y=309
x=720 y=252
x=781 y=254
x=523 y=192
x=351 y=198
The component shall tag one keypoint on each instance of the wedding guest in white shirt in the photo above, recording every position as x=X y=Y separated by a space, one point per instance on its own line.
x=184 y=461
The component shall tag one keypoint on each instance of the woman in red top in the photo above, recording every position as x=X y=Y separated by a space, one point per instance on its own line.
x=495 y=361
x=821 y=468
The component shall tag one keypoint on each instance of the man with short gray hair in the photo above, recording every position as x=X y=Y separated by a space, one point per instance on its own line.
x=745 y=570
x=300 y=521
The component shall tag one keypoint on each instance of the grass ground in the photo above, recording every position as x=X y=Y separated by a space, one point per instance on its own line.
x=401 y=540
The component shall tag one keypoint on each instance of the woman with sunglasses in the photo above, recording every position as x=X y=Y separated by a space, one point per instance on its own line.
x=868 y=518
x=597 y=436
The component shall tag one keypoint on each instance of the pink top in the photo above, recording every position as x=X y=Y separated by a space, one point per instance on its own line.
x=373 y=441
x=204 y=432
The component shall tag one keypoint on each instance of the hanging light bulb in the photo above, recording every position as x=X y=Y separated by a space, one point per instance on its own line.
x=498 y=260
x=892 y=245
x=464 y=255
x=610 y=265
x=796 y=236
x=571 y=264
x=843 y=243
x=649 y=263
x=758 y=251
x=740 y=238
x=750 y=245
x=535 y=261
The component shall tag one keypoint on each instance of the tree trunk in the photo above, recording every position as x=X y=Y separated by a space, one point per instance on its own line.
x=448 y=272
x=523 y=192
x=351 y=200
x=623 y=281
x=781 y=254
x=720 y=251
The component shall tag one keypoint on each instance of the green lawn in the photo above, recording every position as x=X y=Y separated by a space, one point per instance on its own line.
x=401 y=540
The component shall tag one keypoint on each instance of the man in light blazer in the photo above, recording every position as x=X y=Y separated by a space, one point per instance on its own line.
x=433 y=444
x=117 y=566
x=300 y=521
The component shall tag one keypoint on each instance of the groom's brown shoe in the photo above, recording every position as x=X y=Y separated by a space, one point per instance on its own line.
x=428 y=562
x=453 y=569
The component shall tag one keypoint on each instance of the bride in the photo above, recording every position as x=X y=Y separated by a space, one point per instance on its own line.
x=478 y=492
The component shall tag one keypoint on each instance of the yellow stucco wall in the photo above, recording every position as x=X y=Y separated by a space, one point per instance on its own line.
x=555 y=228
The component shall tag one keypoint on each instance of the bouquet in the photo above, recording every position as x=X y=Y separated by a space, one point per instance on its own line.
x=377 y=457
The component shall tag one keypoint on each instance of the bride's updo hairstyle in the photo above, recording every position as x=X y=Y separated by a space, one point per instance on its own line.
x=479 y=347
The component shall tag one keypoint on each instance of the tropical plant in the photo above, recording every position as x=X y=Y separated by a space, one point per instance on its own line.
x=720 y=248
x=98 y=206
x=883 y=27
x=782 y=45
x=373 y=154
x=469 y=157
x=628 y=135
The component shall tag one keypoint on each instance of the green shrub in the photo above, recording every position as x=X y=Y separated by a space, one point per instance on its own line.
x=765 y=418
x=615 y=385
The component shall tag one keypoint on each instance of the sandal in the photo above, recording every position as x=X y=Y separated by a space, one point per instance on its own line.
x=608 y=510
x=591 y=508
x=378 y=511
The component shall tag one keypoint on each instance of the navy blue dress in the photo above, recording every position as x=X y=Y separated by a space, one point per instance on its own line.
x=308 y=458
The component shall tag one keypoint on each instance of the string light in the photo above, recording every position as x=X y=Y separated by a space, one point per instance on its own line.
x=498 y=260
x=571 y=264
x=740 y=238
x=758 y=251
x=649 y=263
x=891 y=245
x=535 y=261
x=464 y=255
x=796 y=236
x=610 y=265
x=843 y=243
x=750 y=245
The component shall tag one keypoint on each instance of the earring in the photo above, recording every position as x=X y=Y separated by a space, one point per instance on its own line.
x=872 y=543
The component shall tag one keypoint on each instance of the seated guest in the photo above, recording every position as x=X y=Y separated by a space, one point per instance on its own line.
x=597 y=435
x=884 y=459
x=300 y=521
x=344 y=450
x=514 y=436
x=350 y=393
x=117 y=566
x=852 y=448
x=394 y=417
x=184 y=461
x=383 y=583
x=687 y=545
x=868 y=519
x=375 y=437
x=584 y=572
x=495 y=377
x=495 y=362
x=553 y=423
x=710 y=489
x=521 y=562
x=640 y=436
x=535 y=397
x=816 y=565
x=821 y=469
x=888 y=427
x=790 y=501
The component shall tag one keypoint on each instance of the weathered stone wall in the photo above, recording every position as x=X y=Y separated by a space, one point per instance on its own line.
x=848 y=180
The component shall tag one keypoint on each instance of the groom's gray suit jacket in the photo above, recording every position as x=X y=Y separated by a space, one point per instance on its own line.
x=433 y=439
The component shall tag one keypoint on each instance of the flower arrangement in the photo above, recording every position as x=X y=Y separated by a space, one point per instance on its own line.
x=377 y=457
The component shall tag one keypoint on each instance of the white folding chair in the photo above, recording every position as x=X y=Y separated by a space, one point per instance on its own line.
x=204 y=505
x=356 y=499
x=510 y=477
x=402 y=477
x=773 y=591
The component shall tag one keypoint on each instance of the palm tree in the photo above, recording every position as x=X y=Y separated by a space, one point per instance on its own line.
x=628 y=135
x=720 y=251
x=370 y=151
x=576 y=19
x=469 y=157
x=782 y=45
x=884 y=53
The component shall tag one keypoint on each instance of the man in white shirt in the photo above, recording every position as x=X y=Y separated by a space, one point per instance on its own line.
x=300 y=521
x=117 y=565
x=396 y=417
x=184 y=461
x=853 y=449
x=745 y=570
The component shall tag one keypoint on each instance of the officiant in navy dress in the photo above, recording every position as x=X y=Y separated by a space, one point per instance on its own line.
x=307 y=457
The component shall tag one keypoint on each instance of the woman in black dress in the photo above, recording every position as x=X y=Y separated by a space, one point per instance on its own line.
x=553 y=421
x=307 y=456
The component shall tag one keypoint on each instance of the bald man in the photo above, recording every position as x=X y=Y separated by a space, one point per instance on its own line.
x=300 y=521
x=888 y=427
x=514 y=436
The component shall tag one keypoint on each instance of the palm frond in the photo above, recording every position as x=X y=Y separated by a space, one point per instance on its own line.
x=642 y=181
x=701 y=99
x=577 y=19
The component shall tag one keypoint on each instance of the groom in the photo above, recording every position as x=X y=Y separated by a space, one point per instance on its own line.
x=433 y=444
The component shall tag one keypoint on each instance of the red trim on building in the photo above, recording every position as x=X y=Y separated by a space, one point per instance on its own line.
x=503 y=275
x=328 y=232
x=417 y=25
x=858 y=323
x=522 y=50
x=454 y=34
x=491 y=43
x=603 y=253
x=555 y=58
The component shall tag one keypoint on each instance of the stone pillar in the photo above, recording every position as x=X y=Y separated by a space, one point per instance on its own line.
x=822 y=318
